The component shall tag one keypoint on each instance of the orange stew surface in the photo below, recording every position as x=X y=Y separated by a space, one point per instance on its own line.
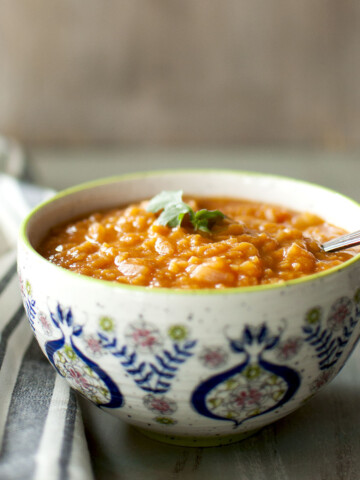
x=262 y=244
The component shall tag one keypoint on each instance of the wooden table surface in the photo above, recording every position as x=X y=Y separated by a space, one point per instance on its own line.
x=321 y=440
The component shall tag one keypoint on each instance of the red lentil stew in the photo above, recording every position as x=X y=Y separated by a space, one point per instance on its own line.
x=261 y=244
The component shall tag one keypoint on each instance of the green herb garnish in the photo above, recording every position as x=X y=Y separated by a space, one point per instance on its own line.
x=174 y=211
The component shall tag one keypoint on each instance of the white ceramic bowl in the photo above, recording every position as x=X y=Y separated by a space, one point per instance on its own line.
x=203 y=367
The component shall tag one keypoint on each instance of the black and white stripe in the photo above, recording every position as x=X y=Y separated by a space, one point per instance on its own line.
x=41 y=431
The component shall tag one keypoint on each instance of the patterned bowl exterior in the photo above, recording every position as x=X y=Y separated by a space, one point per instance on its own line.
x=203 y=366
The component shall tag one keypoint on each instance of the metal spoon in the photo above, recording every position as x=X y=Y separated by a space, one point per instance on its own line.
x=345 y=241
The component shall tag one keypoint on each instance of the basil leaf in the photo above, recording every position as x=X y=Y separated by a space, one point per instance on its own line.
x=205 y=219
x=164 y=199
x=173 y=214
x=174 y=210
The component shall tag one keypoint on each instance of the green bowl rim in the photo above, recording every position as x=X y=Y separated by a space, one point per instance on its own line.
x=169 y=291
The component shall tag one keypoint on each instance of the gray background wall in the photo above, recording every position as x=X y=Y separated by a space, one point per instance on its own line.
x=179 y=72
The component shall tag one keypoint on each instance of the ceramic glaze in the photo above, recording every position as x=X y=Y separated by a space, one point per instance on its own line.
x=192 y=367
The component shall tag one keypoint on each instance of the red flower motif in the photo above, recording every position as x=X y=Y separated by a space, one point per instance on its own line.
x=213 y=357
x=250 y=397
x=289 y=348
x=45 y=323
x=144 y=337
x=340 y=311
x=94 y=345
x=321 y=380
x=162 y=405
x=78 y=378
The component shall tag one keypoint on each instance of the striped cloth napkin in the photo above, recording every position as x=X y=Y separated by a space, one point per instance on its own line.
x=41 y=429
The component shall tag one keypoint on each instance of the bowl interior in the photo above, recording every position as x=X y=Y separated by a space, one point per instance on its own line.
x=330 y=205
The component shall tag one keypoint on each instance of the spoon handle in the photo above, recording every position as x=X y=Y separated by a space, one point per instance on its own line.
x=345 y=241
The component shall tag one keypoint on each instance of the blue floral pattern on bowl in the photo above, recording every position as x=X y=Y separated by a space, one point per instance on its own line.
x=263 y=381
x=251 y=388
x=166 y=354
